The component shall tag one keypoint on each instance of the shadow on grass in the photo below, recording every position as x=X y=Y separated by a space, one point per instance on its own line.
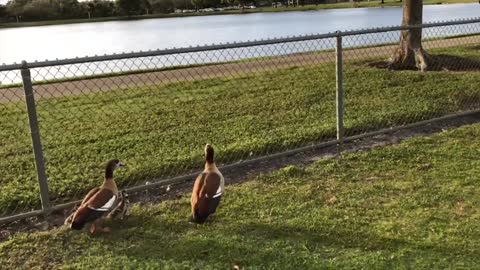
x=342 y=238
x=251 y=243
x=439 y=62
x=454 y=63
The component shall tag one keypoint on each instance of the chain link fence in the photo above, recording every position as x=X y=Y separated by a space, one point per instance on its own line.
x=255 y=100
x=18 y=182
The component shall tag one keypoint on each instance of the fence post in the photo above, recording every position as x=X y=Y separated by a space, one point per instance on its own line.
x=339 y=83
x=35 y=133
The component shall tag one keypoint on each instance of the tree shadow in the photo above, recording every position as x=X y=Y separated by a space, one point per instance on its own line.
x=345 y=238
x=254 y=238
x=439 y=62
x=445 y=62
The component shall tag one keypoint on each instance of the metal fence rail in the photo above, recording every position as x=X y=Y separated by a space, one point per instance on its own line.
x=252 y=100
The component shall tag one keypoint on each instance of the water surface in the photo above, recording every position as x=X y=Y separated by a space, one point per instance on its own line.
x=67 y=41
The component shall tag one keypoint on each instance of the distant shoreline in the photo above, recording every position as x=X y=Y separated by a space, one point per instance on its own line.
x=231 y=12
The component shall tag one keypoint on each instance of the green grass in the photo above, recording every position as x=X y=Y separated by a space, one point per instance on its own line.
x=362 y=4
x=160 y=131
x=407 y=206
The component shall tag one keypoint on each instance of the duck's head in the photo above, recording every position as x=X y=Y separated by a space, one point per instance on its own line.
x=209 y=153
x=111 y=166
x=114 y=163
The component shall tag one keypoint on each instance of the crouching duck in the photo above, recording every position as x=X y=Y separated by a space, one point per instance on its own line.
x=122 y=207
x=98 y=202
x=207 y=190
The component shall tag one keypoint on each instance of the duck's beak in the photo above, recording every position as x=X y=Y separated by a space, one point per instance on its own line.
x=121 y=164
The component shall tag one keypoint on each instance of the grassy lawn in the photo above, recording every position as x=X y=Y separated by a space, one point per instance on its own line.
x=160 y=131
x=407 y=206
x=362 y=4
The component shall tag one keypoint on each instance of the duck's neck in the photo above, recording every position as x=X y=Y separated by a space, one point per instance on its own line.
x=109 y=174
x=210 y=166
x=109 y=183
x=209 y=155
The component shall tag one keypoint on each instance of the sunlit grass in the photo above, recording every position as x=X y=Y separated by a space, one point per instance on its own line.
x=160 y=131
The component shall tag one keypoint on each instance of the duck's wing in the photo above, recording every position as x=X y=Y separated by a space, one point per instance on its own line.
x=102 y=200
x=208 y=190
x=99 y=203
x=90 y=194
x=196 y=191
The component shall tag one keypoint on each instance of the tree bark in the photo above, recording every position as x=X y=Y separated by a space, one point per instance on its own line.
x=410 y=53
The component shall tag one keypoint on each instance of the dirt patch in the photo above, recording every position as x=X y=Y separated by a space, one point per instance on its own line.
x=247 y=172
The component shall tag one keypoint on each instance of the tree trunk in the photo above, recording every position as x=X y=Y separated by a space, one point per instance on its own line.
x=410 y=54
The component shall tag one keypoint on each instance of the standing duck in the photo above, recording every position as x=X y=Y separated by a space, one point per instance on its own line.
x=98 y=202
x=208 y=189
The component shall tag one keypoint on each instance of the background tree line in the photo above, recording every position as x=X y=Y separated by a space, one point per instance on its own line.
x=36 y=10
x=33 y=10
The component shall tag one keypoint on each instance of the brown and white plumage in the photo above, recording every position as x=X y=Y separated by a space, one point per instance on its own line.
x=98 y=202
x=208 y=189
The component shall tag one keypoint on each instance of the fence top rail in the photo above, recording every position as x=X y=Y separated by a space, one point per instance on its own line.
x=228 y=45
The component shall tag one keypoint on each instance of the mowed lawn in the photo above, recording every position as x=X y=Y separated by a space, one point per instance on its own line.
x=160 y=131
x=414 y=205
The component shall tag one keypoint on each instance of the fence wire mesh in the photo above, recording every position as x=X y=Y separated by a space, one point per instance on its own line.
x=156 y=112
x=157 y=116
x=18 y=182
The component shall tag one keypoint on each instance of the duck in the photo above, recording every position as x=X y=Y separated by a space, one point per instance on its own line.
x=208 y=189
x=121 y=209
x=98 y=202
